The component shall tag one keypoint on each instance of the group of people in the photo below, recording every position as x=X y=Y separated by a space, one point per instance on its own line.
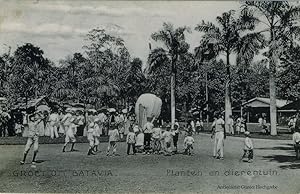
x=235 y=126
x=73 y=123
x=151 y=138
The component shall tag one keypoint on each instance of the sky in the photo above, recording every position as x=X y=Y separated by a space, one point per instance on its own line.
x=59 y=27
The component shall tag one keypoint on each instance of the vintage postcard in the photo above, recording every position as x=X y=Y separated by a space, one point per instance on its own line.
x=149 y=96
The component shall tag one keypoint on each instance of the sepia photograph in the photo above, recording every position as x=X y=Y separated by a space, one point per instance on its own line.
x=149 y=96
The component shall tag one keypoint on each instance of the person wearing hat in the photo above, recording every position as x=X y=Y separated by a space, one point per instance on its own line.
x=219 y=136
x=70 y=129
x=33 y=136
x=248 y=148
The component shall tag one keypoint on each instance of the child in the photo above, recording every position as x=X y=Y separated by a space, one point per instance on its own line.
x=33 y=136
x=91 y=137
x=175 y=137
x=248 y=148
x=131 y=140
x=113 y=138
x=296 y=141
x=156 y=136
x=168 y=137
x=188 y=144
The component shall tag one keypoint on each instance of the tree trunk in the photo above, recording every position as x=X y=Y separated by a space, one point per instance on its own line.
x=173 y=109
x=273 y=111
x=272 y=64
x=228 y=110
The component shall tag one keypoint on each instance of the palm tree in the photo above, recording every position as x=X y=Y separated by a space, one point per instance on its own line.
x=229 y=38
x=175 y=45
x=279 y=18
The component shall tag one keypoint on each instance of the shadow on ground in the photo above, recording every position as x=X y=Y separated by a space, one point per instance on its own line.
x=287 y=146
x=292 y=162
x=290 y=166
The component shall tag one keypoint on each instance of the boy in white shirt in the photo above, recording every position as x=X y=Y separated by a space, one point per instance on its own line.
x=113 y=139
x=296 y=141
x=131 y=140
x=156 y=137
x=248 y=148
x=188 y=143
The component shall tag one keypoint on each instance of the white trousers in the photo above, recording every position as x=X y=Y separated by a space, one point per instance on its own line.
x=53 y=131
x=219 y=144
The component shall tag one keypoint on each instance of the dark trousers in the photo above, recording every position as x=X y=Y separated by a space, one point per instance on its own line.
x=248 y=154
x=175 y=139
x=130 y=145
x=80 y=129
x=188 y=149
x=147 y=141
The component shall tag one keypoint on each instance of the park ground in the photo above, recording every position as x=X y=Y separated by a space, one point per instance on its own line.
x=200 y=173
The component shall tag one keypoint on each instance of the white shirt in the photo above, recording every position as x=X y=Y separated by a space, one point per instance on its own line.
x=148 y=127
x=113 y=135
x=140 y=139
x=218 y=124
x=248 y=144
x=102 y=117
x=296 y=137
x=53 y=118
x=67 y=119
x=168 y=136
x=157 y=133
x=230 y=122
x=189 y=140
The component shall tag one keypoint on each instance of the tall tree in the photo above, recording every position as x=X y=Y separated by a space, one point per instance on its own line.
x=229 y=37
x=29 y=72
x=279 y=18
x=174 y=47
x=109 y=59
